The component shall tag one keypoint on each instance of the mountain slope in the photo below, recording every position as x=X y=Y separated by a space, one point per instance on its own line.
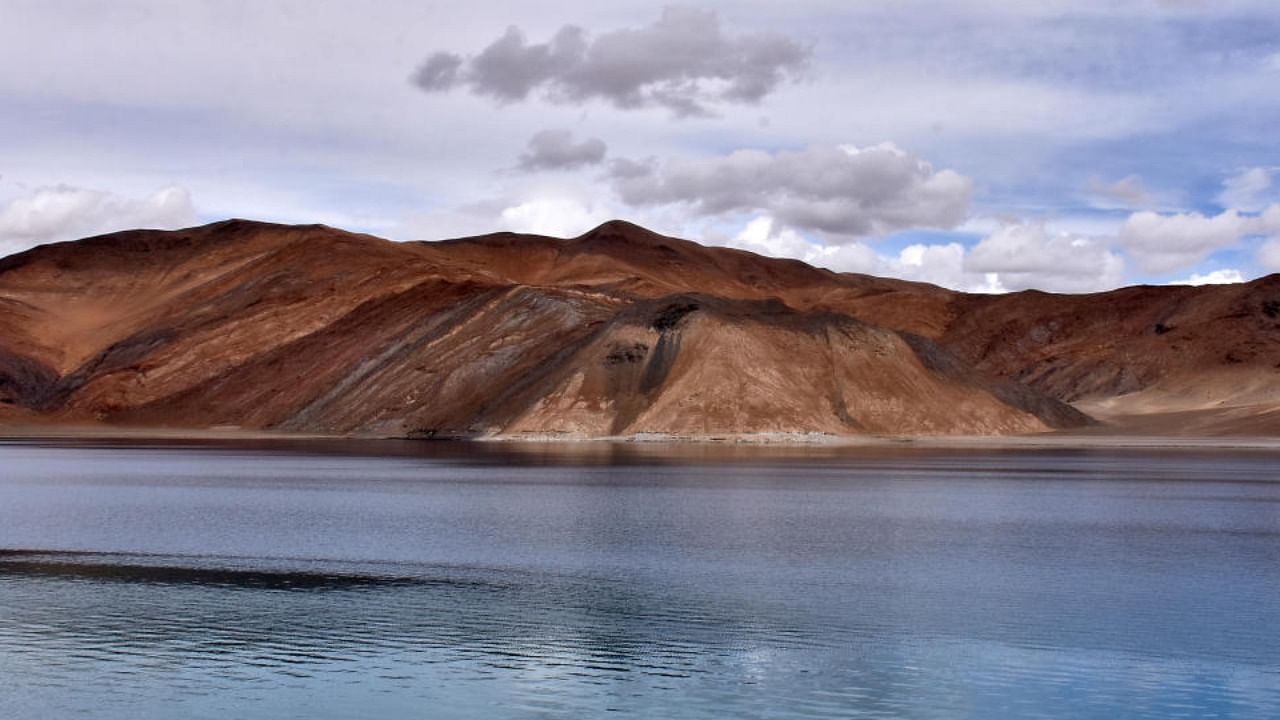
x=1135 y=353
x=616 y=332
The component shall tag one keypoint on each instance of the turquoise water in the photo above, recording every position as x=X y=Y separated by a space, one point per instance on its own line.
x=441 y=581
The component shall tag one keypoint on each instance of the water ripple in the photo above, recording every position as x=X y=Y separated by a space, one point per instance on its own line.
x=255 y=584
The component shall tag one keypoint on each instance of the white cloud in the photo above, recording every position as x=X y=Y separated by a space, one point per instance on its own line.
x=1214 y=277
x=841 y=192
x=1247 y=191
x=1268 y=255
x=555 y=216
x=760 y=236
x=1166 y=243
x=854 y=257
x=1027 y=256
x=1013 y=257
x=54 y=214
x=937 y=264
x=1269 y=219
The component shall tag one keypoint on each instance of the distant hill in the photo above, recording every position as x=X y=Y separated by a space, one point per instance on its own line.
x=617 y=332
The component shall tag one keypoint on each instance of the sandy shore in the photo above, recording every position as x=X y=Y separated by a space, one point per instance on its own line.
x=1043 y=440
x=1119 y=440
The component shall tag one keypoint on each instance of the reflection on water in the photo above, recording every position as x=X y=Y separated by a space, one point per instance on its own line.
x=456 y=582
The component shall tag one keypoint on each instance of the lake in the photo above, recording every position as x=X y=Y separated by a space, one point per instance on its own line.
x=442 y=580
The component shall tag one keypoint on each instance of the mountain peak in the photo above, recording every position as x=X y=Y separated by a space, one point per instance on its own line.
x=622 y=230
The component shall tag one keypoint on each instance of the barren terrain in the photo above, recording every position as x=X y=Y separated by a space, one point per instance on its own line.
x=251 y=326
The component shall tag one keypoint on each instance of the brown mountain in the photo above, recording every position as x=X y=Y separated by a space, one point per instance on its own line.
x=617 y=332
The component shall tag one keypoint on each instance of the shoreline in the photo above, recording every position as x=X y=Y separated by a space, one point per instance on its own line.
x=1049 y=440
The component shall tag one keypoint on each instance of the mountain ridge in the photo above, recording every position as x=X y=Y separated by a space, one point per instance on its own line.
x=315 y=329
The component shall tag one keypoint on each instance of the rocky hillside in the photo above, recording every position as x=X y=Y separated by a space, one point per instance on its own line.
x=617 y=332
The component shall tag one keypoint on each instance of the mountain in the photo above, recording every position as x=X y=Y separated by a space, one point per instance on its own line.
x=617 y=332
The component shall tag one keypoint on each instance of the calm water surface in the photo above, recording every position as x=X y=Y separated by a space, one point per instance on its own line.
x=443 y=581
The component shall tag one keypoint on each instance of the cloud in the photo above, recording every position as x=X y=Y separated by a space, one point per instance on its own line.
x=1028 y=255
x=683 y=62
x=1166 y=243
x=761 y=236
x=627 y=169
x=439 y=72
x=1215 y=277
x=54 y=214
x=940 y=265
x=1128 y=191
x=840 y=192
x=1247 y=190
x=937 y=264
x=1268 y=255
x=555 y=216
x=556 y=150
x=1013 y=257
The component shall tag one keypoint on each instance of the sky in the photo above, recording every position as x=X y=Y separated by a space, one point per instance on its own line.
x=983 y=145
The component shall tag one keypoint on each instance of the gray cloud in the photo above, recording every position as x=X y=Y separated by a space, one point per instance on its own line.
x=439 y=72
x=626 y=169
x=840 y=192
x=683 y=62
x=556 y=150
